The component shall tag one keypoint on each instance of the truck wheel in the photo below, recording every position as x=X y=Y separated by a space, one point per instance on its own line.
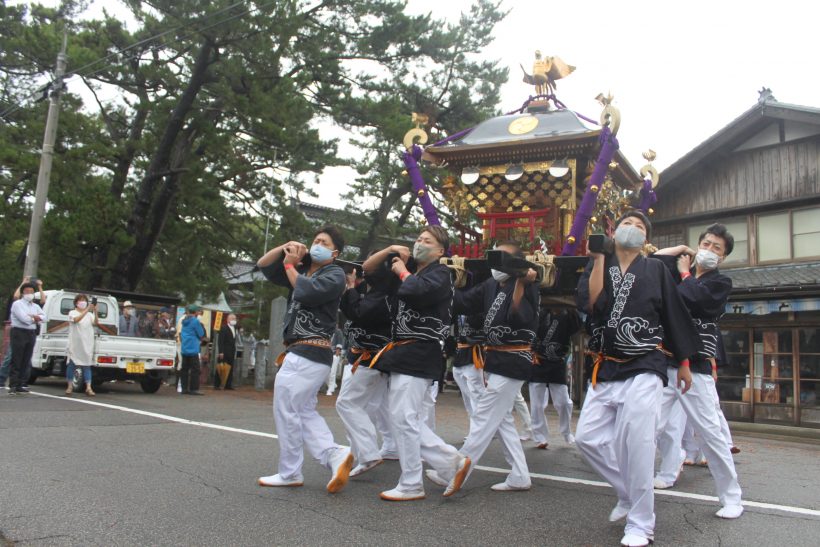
x=150 y=385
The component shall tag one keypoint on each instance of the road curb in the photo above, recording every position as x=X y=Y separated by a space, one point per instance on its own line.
x=786 y=432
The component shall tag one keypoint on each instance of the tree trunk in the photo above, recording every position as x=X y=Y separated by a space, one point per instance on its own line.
x=141 y=225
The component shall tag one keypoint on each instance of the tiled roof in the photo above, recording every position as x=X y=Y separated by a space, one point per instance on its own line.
x=796 y=275
x=240 y=272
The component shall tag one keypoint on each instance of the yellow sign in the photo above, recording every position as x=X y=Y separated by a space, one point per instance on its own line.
x=218 y=321
x=522 y=125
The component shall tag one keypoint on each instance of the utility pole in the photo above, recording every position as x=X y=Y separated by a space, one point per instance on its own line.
x=46 y=157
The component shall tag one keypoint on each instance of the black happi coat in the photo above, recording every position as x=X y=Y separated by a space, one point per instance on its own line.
x=705 y=298
x=502 y=325
x=552 y=345
x=469 y=330
x=313 y=307
x=423 y=313
x=634 y=314
x=368 y=312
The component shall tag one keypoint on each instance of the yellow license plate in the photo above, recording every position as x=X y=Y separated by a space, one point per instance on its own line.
x=135 y=368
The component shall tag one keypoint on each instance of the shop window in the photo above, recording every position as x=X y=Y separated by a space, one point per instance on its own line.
x=738 y=228
x=734 y=382
x=773 y=367
x=809 y=394
x=810 y=354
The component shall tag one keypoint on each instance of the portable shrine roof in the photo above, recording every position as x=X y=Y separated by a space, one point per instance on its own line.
x=528 y=137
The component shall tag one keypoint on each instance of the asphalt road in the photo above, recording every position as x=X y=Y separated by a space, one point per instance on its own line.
x=183 y=472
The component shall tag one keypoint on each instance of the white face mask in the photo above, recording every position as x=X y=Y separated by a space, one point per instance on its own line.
x=707 y=259
x=499 y=276
x=629 y=237
x=422 y=253
x=28 y=297
x=232 y=323
x=129 y=311
x=82 y=304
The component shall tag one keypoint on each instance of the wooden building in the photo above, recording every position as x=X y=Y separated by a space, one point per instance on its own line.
x=760 y=176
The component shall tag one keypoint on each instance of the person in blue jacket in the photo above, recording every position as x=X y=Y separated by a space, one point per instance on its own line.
x=191 y=335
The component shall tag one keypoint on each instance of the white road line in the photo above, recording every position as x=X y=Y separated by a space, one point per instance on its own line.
x=555 y=478
x=161 y=416
x=670 y=493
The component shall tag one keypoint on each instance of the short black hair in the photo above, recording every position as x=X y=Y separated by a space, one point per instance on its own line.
x=519 y=252
x=637 y=213
x=720 y=231
x=335 y=236
x=25 y=286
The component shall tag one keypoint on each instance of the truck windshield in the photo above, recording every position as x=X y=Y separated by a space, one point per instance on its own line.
x=67 y=304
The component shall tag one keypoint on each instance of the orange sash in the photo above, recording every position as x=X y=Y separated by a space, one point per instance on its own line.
x=388 y=347
x=317 y=342
x=478 y=354
x=364 y=355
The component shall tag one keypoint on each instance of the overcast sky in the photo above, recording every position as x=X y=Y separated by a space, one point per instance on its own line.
x=679 y=71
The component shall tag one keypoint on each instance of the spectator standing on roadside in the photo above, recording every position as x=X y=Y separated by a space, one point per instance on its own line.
x=81 y=322
x=227 y=350
x=191 y=336
x=26 y=316
x=5 y=367
x=128 y=320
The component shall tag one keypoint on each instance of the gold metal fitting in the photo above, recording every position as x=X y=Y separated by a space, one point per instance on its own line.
x=404 y=173
x=421 y=193
x=651 y=211
x=571 y=239
x=594 y=189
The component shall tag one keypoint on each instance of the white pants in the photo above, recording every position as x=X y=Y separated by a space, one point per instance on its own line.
x=540 y=394
x=520 y=407
x=616 y=435
x=724 y=425
x=414 y=439
x=493 y=414
x=470 y=381
x=334 y=373
x=430 y=406
x=670 y=439
x=699 y=405
x=360 y=392
x=298 y=423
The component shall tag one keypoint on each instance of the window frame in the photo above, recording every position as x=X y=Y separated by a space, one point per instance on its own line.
x=791 y=258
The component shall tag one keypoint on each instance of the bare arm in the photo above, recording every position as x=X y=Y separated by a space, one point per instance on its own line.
x=275 y=254
x=520 y=284
x=376 y=259
x=293 y=255
x=17 y=293
x=596 y=279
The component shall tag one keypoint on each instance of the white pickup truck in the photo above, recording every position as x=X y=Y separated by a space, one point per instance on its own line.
x=146 y=360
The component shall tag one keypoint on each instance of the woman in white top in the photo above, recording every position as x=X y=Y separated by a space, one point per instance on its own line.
x=81 y=341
